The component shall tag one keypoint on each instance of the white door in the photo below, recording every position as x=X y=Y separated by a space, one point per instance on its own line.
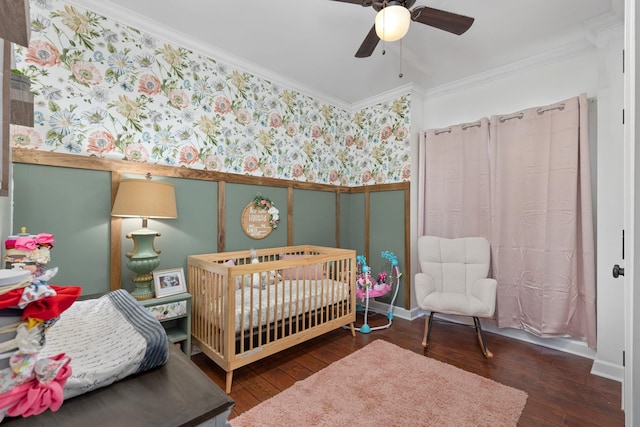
x=631 y=385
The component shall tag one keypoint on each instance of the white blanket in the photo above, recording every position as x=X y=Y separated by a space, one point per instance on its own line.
x=255 y=306
x=108 y=339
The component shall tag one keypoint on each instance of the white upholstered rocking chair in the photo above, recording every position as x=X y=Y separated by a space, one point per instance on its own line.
x=453 y=280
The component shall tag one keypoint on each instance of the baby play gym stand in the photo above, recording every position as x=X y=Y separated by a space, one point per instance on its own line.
x=366 y=288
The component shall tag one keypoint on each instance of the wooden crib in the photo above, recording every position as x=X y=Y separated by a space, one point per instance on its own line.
x=251 y=304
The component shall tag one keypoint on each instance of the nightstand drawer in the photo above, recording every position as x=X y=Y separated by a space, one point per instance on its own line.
x=169 y=310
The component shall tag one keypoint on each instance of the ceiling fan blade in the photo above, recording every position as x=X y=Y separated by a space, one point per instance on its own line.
x=364 y=3
x=369 y=44
x=447 y=21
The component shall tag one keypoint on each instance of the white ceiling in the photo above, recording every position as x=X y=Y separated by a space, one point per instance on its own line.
x=310 y=44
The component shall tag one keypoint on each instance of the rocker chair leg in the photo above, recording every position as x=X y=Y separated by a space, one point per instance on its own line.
x=427 y=330
x=483 y=346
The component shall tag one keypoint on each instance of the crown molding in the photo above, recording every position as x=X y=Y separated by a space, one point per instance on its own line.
x=578 y=48
x=607 y=21
x=592 y=28
x=410 y=88
x=154 y=28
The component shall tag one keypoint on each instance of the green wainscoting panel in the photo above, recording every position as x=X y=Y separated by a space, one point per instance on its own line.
x=352 y=222
x=238 y=196
x=195 y=231
x=314 y=218
x=75 y=206
x=386 y=233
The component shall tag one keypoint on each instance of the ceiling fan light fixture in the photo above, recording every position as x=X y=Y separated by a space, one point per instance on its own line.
x=392 y=23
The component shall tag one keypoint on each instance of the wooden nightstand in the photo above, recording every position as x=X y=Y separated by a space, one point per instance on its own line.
x=174 y=312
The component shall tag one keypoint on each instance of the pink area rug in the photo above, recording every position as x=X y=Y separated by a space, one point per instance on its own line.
x=385 y=385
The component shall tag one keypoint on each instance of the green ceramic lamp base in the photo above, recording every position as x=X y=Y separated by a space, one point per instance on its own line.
x=142 y=261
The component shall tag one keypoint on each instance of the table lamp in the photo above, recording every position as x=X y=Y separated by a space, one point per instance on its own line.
x=144 y=198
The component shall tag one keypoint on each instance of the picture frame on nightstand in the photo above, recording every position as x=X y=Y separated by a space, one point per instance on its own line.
x=169 y=282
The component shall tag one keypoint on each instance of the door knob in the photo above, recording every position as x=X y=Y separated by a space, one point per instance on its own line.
x=618 y=271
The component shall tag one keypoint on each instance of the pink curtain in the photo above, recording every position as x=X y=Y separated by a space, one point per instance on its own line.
x=453 y=177
x=542 y=227
x=522 y=181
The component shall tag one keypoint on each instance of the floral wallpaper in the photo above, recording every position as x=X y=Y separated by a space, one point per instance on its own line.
x=108 y=90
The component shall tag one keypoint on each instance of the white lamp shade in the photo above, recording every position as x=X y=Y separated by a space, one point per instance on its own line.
x=392 y=23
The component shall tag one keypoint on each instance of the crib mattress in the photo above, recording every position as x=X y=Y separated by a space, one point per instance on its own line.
x=287 y=298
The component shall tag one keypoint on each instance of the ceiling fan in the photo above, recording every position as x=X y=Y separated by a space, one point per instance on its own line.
x=447 y=21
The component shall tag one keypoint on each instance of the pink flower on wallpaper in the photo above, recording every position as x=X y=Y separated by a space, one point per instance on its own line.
x=361 y=142
x=328 y=139
x=386 y=132
x=296 y=170
x=42 y=53
x=243 y=116
x=188 y=155
x=178 y=98
x=213 y=163
x=311 y=176
x=275 y=120
x=348 y=140
x=250 y=164
x=86 y=73
x=381 y=178
x=269 y=170
x=222 y=105
x=149 y=84
x=333 y=175
x=291 y=128
x=136 y=153
x=366 y=175
x=24 y=137
x=406 y=171
x=100 y=142
x=402 y=133
x=316 y=131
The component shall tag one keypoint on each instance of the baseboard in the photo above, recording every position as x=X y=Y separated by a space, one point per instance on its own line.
x=577 y=348
x=381 y=307
x=608 y=370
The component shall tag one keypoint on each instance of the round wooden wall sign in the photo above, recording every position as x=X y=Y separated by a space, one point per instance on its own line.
x=255 y=222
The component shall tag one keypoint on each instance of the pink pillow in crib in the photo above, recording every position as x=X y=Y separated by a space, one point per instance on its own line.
x=310 y=272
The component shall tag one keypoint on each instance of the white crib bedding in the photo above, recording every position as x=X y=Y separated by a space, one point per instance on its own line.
x=108 y=339
x=262 y=306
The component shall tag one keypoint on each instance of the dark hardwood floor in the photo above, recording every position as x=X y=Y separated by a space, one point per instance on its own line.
x=561 y=390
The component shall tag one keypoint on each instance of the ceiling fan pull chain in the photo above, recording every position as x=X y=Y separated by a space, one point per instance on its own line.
x=400 y=75
x=384 y=26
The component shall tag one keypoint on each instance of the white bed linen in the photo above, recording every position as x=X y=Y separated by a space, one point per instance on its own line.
x=284 y=299
x=108 y=339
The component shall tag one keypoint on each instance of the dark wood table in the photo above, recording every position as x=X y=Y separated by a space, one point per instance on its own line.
x=176 y=394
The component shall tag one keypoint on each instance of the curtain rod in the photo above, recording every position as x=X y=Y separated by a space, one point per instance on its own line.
x=513 y=116
x=439 y=131
x=540 y=112
x=543 y=110
x=466 y=126
x=503 y=119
